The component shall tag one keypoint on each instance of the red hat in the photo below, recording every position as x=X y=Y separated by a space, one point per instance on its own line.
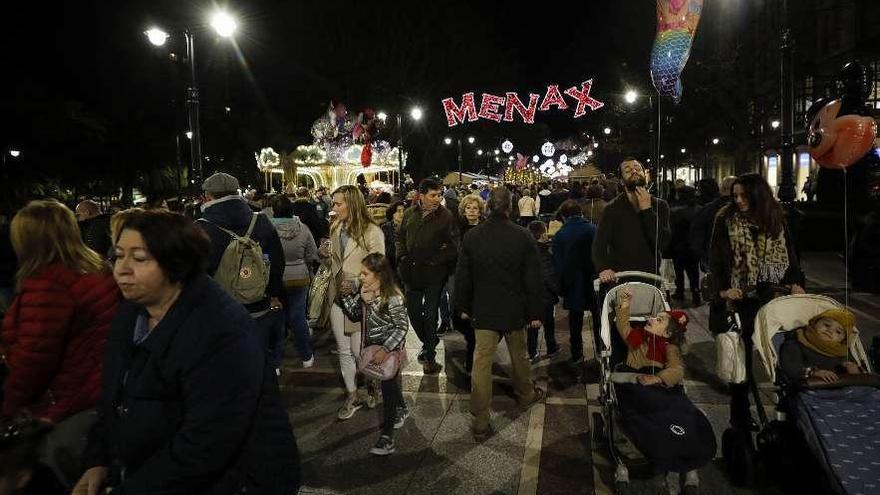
x=680 y=316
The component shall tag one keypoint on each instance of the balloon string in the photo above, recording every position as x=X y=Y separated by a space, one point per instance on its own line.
x=846 y=251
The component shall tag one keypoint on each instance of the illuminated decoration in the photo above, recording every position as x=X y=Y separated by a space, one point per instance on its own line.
x=547 y=149
x=267 y=159
x=507 y=146
x=563 y=158
x=342 y=150
x=536 y=158
x=526 y=175
x=491 y=105
x=521 y=162
x=677 y=22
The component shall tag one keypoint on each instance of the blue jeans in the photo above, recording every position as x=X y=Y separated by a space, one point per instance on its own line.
x=271 y=328
x=296 y=320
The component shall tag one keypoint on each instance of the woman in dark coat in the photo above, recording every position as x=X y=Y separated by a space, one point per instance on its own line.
x=190 y=401
x=470 y=214
x=572 y=246
x=751 y=258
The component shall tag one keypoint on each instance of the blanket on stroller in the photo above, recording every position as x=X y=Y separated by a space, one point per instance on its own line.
x=666 y=426
x=842 y=426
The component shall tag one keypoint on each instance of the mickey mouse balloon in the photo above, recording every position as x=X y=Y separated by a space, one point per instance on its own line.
x=838 y=141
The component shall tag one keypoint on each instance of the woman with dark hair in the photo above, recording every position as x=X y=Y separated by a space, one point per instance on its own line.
x=378 y=304
x=299 y=252
x=751 y=259
x=572 y=248
x=393 y=218
x=190 y=401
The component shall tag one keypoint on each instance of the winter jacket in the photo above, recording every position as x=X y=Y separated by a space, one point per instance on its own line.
x=628 y=239
x=527 y=207
x=721 y=256
x=299 y=250
x=571 y=255
x=427 y=247
x=498 y=276
x=541 y=203
x=54 y=335
x=701 y=228
x=96 y=234
x=307 y=213
x=346 y=265
x=389 y=230
x=195 y=407
x=680 y=220
x=548 y=274
x=383 y=327
x=233 y=213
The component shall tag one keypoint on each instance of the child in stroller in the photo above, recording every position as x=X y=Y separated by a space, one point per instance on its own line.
x=818 y=352
x=657 y=415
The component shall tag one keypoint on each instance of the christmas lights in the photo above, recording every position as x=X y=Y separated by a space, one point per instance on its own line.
x=490 y=105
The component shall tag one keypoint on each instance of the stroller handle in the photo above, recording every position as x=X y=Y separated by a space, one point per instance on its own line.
x=632 y=274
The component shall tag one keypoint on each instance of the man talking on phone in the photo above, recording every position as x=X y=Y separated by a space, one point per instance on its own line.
x=634 y=229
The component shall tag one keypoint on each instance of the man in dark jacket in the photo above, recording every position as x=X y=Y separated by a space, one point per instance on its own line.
x=226 y=209
x=701 y=226
x=427 y=246
x=634 y=229
x=307 y=212
x=680 y=219
x=94 y=227
x=498 y=287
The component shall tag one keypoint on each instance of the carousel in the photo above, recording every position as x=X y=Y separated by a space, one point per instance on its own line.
x=343 y=149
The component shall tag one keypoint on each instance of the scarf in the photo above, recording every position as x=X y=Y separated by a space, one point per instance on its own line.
x=427 y=211
x=756 y=258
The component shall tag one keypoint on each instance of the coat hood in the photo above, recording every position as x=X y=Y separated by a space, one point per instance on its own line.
x=288 y=228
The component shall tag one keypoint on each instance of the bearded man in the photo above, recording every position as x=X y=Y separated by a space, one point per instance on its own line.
x=634 y=229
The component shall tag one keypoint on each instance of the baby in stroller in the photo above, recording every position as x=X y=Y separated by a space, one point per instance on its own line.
x=658 y=417
x=818 y=352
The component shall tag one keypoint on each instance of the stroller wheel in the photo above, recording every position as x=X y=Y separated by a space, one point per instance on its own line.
x=739 y=456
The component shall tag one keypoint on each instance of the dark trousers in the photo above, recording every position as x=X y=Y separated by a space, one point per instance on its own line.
x=422 y=305
x=392 y=400
x=466 y=329
x=575 y=325
x=690 y=266
x=549 y=323
x=271 y=328
x=740 y=413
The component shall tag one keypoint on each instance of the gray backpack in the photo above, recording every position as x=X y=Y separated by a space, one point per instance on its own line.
x=242 y=271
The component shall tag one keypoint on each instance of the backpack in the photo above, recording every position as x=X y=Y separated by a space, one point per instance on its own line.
x=242 y=270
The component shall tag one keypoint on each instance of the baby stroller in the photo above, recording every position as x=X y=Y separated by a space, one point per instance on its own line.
x=644 y=425
x=843 y=443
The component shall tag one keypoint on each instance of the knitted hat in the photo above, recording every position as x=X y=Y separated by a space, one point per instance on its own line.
x=846 y=319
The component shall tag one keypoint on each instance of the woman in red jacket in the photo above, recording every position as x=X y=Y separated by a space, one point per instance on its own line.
x=55 y=330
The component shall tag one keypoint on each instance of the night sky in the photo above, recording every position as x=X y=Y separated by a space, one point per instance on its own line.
x=89 y=61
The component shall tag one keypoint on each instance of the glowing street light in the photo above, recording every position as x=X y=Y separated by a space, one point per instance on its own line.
x=480 y=152
x=223 y=24
x=471 y=139
x=715 y=140
x=14 y=153
x=683 y=151
x=630 y=96
x=416 y=113
x=447 y=140
x=382 y=116
x=189 y=134
x=497 y=151
x=607 y=131
x=774 y=124
x=156 y=36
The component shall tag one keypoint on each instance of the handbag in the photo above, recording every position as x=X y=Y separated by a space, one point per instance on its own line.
x=730 y=364
x=387 y=369
x=318 y=304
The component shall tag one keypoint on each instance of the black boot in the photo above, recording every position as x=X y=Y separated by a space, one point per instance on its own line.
x=697 y=298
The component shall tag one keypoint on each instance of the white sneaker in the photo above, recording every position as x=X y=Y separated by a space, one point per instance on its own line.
x=309 y=363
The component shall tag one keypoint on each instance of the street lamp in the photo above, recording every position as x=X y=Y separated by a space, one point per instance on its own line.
x=607 y=131
x=14 y=153
x=416 y=113
x=480 y=152
x=189 y=134
x=630 y=96
x=715 y=140
x=470 y=140
x=447 y=140
x=683 y=151
x=224 y=25
x=774 y=124
x=382 y=116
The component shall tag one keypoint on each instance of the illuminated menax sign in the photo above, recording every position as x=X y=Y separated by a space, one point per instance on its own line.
x=498 y=108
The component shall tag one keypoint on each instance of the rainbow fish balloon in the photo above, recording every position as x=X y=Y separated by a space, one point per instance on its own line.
x=677 y=22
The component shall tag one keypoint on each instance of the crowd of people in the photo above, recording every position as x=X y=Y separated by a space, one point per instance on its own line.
x=158 y=336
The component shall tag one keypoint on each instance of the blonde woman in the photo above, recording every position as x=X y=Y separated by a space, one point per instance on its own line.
x=472 y=211
x=352 y=237
x=56 y=328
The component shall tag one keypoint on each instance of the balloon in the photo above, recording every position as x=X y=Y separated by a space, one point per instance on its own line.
x=677 y=22
x=367 y=154
x=837 y=141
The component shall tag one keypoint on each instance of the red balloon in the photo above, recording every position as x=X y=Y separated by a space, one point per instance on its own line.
x=838 y=142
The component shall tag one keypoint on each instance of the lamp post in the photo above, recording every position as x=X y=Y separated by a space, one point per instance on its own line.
x=224 y=25
x=470 y=140
x=14 y=153
x=787 y=192
x=416 y=114
x=630 y=97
